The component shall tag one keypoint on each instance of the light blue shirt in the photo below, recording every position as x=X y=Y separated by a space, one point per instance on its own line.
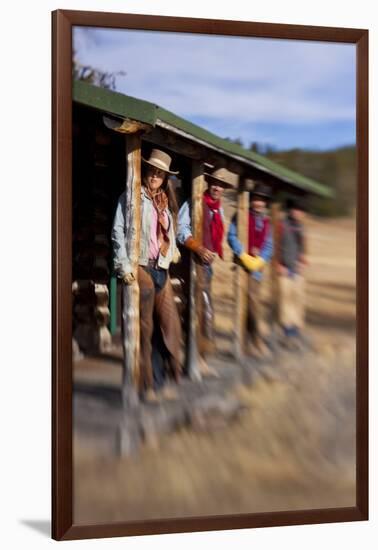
x=184 y=225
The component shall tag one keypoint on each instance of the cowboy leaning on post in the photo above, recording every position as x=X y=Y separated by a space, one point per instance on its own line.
x=259 y=252
x=157 y=250
x=208 y=249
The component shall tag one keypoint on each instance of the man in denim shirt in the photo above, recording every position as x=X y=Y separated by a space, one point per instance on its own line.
x=260 y=249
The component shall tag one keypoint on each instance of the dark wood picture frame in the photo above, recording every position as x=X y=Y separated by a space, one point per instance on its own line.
x=63 y=527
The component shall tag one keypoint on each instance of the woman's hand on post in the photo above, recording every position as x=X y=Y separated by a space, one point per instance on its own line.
x=128 y=278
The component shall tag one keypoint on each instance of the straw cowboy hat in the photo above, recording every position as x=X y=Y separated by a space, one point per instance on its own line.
x=160 y=160
x=218 y=176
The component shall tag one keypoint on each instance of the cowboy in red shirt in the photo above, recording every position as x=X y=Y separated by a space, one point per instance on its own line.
x=253 y=258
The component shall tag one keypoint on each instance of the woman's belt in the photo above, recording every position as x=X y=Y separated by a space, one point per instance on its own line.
x=154 y=265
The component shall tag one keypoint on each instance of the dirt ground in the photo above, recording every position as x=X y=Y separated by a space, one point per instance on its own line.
x=293 y=448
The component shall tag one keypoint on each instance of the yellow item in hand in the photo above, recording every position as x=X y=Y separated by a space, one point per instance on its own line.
x=252 y=263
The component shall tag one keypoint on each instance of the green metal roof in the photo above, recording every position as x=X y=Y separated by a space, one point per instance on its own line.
x=125 y=106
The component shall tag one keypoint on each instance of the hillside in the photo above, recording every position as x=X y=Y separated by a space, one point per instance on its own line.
x=336 y=168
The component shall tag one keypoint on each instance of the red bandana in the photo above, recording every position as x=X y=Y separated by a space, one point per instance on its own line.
x=213 y=228
x=257 y=237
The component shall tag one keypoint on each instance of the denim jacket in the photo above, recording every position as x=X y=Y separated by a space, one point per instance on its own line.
x=121 y=260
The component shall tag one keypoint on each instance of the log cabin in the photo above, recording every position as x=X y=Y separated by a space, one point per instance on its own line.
x=111 y=132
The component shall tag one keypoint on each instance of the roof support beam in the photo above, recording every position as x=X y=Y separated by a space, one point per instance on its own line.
x=198 y=187
x=181 y=145
x=125 y=126
x=175 y=143
x=241 y=275
x=130 y=292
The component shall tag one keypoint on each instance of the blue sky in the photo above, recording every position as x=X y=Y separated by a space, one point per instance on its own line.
x=282 y=93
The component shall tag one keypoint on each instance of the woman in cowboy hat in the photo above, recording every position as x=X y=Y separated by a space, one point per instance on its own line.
x=260 y=249
x=157 y=250
x=207 y=250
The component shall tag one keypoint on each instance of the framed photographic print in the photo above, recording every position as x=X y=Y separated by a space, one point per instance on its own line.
x=210 y=238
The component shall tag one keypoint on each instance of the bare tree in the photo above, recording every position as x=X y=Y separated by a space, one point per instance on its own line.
x=87 y=73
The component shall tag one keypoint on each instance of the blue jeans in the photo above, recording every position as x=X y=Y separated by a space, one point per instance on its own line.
x=159 y=276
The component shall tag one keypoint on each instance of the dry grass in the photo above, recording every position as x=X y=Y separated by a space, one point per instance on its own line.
x=294 y=448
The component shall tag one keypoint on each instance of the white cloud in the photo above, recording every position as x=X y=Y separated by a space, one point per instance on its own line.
x=258 y=80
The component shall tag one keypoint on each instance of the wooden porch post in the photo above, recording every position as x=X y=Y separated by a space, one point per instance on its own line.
x=241 y=276
x=130 y=293
x=198 y=187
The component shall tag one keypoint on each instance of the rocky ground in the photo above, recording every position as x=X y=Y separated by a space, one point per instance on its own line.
x=294 y=445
